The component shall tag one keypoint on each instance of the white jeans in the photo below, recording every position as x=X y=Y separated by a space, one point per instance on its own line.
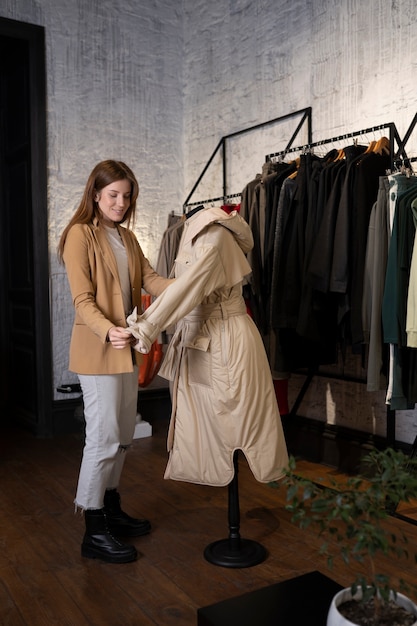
x=110 y=408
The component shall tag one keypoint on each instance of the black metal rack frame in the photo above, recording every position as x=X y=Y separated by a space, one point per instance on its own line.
x=306 y=117
x=393 y=137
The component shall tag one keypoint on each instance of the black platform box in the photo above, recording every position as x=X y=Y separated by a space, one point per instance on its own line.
x=301 y=600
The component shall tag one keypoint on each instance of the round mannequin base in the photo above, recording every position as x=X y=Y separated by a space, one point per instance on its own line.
x=248 y=554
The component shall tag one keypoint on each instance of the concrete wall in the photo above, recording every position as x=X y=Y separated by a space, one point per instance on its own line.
x=158 y=83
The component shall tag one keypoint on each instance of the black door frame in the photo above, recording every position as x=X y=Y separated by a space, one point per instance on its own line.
x=35 y=37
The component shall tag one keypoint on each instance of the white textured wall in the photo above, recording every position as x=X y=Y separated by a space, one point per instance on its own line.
x=114 y=90
x=249 y=61
x=158 y=83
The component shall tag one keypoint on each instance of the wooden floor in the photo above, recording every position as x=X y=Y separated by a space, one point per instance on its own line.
x=45 y=581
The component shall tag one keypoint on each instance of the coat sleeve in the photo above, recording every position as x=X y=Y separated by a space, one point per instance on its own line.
x=202 y=278
x=150 y=280
x=77 y=263
x=153 y=283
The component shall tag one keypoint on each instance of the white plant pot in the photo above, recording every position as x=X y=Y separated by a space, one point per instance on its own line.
x=334 y=618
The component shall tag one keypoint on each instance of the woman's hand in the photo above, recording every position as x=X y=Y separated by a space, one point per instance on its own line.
x=120 y=338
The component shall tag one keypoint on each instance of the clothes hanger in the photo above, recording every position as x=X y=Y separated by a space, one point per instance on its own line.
x=297 y=162
x=382 y=146
x=370 y=147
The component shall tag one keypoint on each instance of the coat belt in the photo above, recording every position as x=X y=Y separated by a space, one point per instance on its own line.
x=217 y=310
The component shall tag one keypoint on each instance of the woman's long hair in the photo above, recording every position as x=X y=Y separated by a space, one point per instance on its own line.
x=104 y=173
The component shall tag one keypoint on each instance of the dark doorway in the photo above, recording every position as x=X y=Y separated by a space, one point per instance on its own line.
x=25 y=346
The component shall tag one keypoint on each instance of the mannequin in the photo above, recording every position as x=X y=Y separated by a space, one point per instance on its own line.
x=223 y=397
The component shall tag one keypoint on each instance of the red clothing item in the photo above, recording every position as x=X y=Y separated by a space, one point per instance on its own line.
x=230 y=207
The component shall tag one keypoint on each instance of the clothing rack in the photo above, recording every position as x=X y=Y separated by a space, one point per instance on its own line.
x=306 y=117
x=400 y=153
x=393 y=136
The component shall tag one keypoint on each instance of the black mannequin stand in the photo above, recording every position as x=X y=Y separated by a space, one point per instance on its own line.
x=235 y=551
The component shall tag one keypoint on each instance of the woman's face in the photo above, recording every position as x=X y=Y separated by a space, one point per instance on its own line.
x=114 y=200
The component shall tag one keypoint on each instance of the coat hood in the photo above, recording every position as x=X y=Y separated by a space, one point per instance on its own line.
x=215 y=215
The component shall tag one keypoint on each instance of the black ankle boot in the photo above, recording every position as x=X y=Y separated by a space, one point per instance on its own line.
x=119 y=522
x=99 y=543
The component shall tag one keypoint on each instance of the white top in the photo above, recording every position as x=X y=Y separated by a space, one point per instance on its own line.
x=120 y=254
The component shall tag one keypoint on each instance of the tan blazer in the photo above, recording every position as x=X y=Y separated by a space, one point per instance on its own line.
x=97 y=296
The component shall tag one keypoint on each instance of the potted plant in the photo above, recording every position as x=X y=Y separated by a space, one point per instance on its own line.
x=350 y=516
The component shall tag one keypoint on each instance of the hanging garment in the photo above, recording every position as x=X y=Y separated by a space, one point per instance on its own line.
x=394 y=305
x=223 y=397
x=369 y=169
x=403 y=376
x=259 y=208
x=373 y=288
x=411 y=317
x=288 y=285
x=166 y=258
x=169 y=245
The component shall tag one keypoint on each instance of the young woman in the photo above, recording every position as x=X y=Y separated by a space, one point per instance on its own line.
x=106 y=269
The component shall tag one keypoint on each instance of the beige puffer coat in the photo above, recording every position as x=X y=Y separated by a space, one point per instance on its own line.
x=222 y=394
